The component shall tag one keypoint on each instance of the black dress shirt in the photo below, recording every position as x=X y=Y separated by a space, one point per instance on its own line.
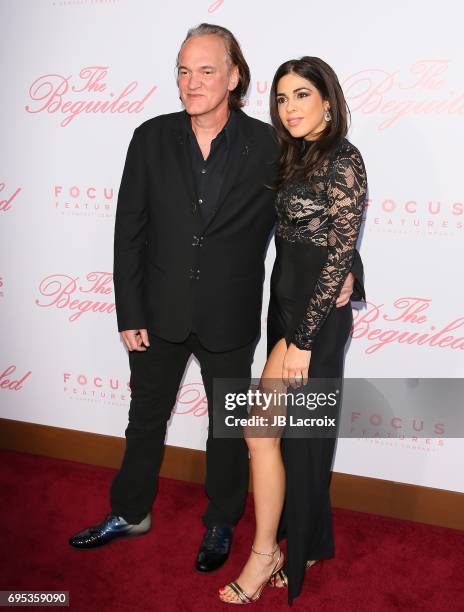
x=209 y=173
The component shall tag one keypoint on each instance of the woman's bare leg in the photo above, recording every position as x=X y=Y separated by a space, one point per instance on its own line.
x=268 y=478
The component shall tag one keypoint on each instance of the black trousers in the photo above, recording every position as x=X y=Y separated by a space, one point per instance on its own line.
x=155 y=378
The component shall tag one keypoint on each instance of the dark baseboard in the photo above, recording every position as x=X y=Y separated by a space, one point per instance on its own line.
x=373 y=495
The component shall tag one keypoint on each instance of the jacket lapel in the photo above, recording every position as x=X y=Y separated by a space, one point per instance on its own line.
x=237 y=161
x=185 y=165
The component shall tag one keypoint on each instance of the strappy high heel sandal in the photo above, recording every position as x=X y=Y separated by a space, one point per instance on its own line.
x=244 y=598
x=282 y=576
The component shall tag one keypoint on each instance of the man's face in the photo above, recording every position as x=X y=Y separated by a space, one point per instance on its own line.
x=205 y=74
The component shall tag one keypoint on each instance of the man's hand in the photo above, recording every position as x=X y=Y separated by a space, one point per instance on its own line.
x=346 y=291
x=136 y=339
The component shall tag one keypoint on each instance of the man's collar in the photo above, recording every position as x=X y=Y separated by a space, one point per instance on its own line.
x=230 y=128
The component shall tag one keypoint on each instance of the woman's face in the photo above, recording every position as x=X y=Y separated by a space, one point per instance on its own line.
x=301 y=107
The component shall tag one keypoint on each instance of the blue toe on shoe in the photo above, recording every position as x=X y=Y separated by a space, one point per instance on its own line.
x=110 y=528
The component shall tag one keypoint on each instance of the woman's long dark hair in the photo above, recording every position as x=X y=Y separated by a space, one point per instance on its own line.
x=321 y=75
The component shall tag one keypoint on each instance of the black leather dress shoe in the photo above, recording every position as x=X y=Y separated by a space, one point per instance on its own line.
x=109 y=529
x=214 y=550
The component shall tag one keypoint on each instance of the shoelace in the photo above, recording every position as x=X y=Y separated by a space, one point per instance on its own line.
x=212 y=537
x=97 y=528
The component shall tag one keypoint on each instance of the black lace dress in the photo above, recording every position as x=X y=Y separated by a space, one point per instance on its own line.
x=318 y=223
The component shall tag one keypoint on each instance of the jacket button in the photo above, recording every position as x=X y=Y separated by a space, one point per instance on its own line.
x=197 y=240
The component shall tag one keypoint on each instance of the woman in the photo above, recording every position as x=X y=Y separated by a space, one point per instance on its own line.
x=321 y=190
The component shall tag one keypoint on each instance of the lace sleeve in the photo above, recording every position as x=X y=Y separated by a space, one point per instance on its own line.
x=346 y=191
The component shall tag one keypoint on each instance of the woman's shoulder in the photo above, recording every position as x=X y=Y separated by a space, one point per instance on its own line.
x=346 y=156
x=346 y=150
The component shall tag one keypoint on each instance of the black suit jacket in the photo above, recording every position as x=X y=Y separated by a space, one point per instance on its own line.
x=172 y=273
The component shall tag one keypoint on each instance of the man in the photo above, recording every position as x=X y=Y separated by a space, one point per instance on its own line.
x=194 y=217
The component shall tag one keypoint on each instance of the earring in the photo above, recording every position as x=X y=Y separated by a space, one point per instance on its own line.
x=327 y=115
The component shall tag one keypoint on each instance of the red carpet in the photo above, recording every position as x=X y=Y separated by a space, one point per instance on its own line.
x=381 y=564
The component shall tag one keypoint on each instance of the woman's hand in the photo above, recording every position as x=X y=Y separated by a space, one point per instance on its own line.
x=295 y=366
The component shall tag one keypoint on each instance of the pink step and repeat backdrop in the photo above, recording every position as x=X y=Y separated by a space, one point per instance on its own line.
x=79 y=75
